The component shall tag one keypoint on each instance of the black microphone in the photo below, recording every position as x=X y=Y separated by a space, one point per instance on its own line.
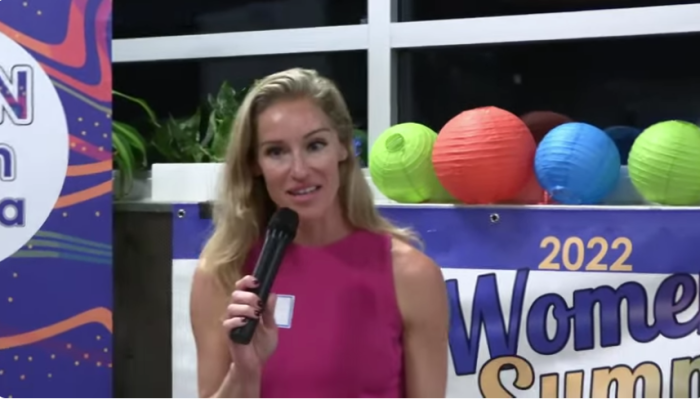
x=280 y=233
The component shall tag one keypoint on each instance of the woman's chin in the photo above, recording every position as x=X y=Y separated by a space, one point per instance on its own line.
x=309 y=214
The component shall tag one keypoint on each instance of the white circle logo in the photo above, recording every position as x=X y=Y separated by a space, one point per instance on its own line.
x=33 y=147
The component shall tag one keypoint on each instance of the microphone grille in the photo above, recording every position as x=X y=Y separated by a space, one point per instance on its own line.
x=286 y=221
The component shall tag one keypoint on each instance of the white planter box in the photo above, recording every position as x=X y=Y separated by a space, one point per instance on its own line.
x=185 y=182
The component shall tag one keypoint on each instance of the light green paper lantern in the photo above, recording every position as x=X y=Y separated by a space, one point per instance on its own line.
x=664 y=163
x=400 y=163
x=441 y=195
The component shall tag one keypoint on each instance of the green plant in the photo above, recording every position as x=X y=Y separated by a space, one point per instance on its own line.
x=200 y=139
x=129 y=148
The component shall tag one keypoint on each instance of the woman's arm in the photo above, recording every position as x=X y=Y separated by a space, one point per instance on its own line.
x=422 y=298
x=216 y=374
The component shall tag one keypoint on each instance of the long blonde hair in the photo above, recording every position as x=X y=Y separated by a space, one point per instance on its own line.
x=244 y=207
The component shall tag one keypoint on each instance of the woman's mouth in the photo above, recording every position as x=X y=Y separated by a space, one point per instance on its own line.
x=304 y=191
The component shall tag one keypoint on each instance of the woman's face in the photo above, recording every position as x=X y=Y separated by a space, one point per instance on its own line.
x=298 y=153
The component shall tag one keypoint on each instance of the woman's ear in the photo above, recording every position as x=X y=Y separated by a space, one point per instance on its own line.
x=343 y=153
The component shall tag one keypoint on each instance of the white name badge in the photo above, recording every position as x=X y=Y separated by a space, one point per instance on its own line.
x=284 y=310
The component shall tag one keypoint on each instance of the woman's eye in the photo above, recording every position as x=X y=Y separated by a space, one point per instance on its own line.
x=317 y=145
x=273 y=151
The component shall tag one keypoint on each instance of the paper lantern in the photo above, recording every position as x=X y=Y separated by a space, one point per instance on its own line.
x=624 y=137
x=625 y=193
x=442 y=196
x=664 y=163
x=532 y=193
x=577 y=164
x=400 y=163
x=542 y=122
x=484 y=155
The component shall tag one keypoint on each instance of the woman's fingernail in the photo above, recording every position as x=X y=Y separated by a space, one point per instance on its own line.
x=255 y=281
x=257 y=313
x=244 y=319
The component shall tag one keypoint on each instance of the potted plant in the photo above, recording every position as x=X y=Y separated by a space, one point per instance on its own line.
x=187 y=153
x=130 y=176
x=193 y=148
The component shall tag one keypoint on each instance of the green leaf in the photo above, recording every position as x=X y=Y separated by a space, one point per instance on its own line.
x=120 y=187
x=131 y=138
x=211 y=130
x=163 y=143
x=220 y=122
x=177 y=139
x=211 y=101
x=226 y=101
x=124 y=158
x=184 y=135
x=222 y=135
x=144 y=105
x=201 y=155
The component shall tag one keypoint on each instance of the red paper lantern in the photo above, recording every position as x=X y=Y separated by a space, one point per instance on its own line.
x=541 y=122
x=531 y=194
x=484 y=156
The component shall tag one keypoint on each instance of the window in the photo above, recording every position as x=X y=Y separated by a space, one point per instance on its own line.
x=425 y=10
x=148 y=18
x=177 y=88
x=423 y=71
x=623 y=81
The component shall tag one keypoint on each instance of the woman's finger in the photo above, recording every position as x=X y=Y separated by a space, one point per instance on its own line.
x=239 y=310
x=235 y=322
x=246 y=298
x=246 y=283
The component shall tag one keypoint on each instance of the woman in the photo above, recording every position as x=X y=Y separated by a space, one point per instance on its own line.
x=365 y=313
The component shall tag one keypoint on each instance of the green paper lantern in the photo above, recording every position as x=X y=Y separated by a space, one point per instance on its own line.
x=664 y=163
x=400 y=163
x=441 y=195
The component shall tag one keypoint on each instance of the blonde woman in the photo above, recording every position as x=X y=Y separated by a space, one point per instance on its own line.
x=364 y=313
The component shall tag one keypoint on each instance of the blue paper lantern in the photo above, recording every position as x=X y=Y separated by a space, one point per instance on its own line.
x=624 y=137
x=577 y=164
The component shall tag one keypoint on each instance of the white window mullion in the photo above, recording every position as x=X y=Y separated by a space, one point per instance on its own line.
x=552 y=26
x=241 y=44
x=381 y=90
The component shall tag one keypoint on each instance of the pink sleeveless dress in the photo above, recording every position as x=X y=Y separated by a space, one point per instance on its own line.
x=344 y=337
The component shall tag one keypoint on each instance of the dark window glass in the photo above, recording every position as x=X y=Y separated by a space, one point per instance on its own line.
x=147 y=18
x=631 y=81
x=425 y=10
x=177 y=88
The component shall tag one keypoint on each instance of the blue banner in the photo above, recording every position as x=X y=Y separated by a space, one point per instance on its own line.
x=55 y=198
x=554 y=301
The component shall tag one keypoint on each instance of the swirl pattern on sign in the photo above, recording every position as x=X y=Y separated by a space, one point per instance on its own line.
x=56 y=292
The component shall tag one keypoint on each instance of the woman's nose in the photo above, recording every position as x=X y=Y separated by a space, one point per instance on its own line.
x=300 y=168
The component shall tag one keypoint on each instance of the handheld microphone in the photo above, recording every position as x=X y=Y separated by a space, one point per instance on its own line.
x=280 y=233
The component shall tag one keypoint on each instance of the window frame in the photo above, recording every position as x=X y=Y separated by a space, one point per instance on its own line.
x=382 y=36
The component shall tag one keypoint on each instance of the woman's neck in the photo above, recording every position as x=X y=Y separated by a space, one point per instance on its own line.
x=325 y=230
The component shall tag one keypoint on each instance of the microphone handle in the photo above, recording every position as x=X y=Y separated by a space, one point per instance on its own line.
x=265 y=272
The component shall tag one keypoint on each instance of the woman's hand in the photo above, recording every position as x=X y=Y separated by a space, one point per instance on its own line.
x=244 y=305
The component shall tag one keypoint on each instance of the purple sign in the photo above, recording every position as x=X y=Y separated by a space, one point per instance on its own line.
x=55 y=198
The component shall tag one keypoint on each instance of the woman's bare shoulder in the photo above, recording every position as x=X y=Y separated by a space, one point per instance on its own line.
x=422 y=298
x=411 y=263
